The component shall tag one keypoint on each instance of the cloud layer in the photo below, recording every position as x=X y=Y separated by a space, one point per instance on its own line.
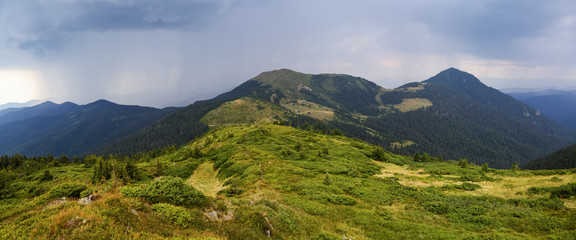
x=162 y=52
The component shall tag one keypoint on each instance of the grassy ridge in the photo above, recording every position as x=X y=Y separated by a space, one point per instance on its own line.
x=273 y=181
x=243 y=111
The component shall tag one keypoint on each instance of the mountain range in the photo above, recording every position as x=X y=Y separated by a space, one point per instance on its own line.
x=71 y=129
x=452 y=114
x=558 y=105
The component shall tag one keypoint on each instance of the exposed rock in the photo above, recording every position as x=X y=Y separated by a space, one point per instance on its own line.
x=214 y=216
x=134 y=212
x=85 y=200
x=270 y=227
x=74 y=222
x=55 y=203
x=89 y=199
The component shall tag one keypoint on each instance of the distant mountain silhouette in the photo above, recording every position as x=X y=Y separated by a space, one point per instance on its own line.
x=18 y=105
x=72 y=129
x=44 y=109
x=555 y=104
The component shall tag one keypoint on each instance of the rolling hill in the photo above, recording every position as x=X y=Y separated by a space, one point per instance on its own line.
x=452 y=113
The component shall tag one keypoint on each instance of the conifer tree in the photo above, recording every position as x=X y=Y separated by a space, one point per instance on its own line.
x=159 y=167
x=485 y=167
x=515 y=166
x=417 y=157
x=130 y=169
x=463 y=162
x=426 y=157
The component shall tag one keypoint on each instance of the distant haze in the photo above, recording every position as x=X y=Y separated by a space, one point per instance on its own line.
x=170 y=52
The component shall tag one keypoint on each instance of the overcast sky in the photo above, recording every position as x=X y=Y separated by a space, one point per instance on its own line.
x=167 y=52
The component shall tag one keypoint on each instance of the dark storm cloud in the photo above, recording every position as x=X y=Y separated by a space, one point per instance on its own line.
x=494 y=28
x=48 y=24
x=138 y=15
x=156 y=52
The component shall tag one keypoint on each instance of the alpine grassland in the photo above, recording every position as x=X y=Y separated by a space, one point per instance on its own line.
x=268 y=181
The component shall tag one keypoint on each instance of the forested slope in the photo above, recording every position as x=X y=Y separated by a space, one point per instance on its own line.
x=561 y=159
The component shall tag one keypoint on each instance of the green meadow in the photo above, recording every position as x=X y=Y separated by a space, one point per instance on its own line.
x=266 y=181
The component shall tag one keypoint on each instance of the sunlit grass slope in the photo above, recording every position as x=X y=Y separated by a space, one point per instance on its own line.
x=268 y=181
x=244 y=111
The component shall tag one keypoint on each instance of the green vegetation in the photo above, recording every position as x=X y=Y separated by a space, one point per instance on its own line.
x=412 y=104
x=270 y=181
x=244 y=111
x=170 y=190
x=178 y=215
x=310 y=109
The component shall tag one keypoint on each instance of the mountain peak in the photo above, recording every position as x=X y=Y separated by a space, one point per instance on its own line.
x=47 y=103
x=102 y=102
x=283 y=78
x=453 y=76
x=459 y=80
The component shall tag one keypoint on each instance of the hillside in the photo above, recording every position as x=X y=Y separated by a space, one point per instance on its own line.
x=452 y=113
x=562 y=159
x=267 y=181
x=476 y=121
x=71 y=129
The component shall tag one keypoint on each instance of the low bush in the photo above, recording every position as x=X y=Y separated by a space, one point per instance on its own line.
x=120 y=210
x=464 y=186
x=175 y=214
x=437 y=207
x=231 y=191
x=540 y=203
x=168 y=190
x=338 y=200
x=563 y=191
x=87 y=192
x=71 y=189
x=309 y=206
x=555 y=179
x=476 y=210
x=182 y=171
x=46 y=176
